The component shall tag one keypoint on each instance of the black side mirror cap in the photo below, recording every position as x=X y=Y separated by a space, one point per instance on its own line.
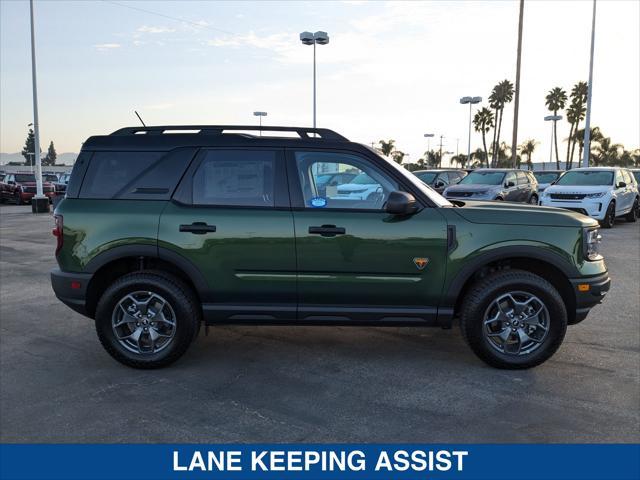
x=622 y=185
x=509 y=184
x=401 y=203
x=439 y=184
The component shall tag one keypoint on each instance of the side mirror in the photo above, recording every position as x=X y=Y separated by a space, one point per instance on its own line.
x=401 y=203
x=439 y=184
x=509 y=184
x=622 y=185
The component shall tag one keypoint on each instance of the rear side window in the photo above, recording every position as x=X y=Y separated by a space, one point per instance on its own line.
x=235 y=178
x=522 y=178
x=111 y=172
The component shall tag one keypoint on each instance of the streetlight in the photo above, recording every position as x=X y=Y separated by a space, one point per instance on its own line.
x=428 y=136
x=554 y=119
x=260 y=115
x=440 y=159
x=471 y=101
x=587 y=123
x=39 y=203
x=320 y=38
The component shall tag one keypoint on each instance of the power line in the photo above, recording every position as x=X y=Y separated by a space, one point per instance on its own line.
x=182 y=20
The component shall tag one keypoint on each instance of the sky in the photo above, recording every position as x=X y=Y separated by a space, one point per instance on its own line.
x=392 y=70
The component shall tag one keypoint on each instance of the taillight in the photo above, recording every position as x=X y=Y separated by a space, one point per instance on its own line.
x=58 y=232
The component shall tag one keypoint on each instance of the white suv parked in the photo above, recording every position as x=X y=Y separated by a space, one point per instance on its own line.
x=603 y=193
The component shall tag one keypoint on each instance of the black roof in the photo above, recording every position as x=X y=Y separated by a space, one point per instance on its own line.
x=167 y=137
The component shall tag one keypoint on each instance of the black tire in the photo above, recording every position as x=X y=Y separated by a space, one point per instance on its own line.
x=499 y=199
x=632 y=216
x=482 y=295
x=18 y=199
x=609 y=217
x=533 y=200
x=188 y=316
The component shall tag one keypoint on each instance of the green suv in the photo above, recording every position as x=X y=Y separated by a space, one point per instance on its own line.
x=164 y=228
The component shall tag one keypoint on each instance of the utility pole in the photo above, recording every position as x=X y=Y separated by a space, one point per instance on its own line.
x=39 y=203
x=587 y=124
x=440 y=159
x=514 y=142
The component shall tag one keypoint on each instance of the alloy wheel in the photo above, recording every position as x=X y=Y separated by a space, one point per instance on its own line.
x=516 y=323
x=143 y=322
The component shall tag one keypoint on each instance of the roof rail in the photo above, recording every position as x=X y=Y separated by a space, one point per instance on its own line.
x=303 y=132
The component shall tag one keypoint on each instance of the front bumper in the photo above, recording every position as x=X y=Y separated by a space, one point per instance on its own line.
x=589 y=292
x=71 y=288
x=595 y=208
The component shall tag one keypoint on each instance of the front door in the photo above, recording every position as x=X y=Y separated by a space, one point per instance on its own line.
x=231 y=219
x=356 y=262
x=512 y=193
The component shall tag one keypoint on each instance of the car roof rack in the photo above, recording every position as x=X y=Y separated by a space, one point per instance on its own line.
x=303 y=132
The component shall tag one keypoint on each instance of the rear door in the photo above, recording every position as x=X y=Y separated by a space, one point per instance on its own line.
x=523 y=186
x=355 y=261
x=230 y=217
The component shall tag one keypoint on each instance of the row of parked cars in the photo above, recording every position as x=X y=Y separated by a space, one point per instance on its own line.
x=602 y=193
x=20 y=187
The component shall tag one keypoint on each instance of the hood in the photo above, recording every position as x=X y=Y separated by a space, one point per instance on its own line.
x=543 y=186
x=504 y=213
x=472 y=188
x=577 y=188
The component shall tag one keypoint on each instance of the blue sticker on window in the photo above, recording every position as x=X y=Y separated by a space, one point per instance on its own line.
x=318 y=202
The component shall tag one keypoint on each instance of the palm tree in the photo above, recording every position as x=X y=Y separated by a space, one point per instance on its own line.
x=501 y=94
x=398 y=156
x=478 y=159
x=575 y=114
x=555 y=100
x=606 y=153
x=596 y=136
x=527 y=148
x=386 y=147
x=460 y=159
x=483 y=122
x=503 y=156
x=431 y=158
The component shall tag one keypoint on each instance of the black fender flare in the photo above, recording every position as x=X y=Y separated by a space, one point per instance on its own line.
x=457 y=283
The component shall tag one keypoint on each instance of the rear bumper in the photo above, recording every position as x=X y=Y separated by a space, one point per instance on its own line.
x=589 y=292
x=71 y=288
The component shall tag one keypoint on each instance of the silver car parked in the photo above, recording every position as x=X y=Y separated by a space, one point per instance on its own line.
x=510 y=185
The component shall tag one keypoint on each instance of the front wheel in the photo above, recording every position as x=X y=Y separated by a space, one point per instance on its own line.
x=513 y=319
x=632 y=216
x=610 y=217
x=533 y=200
x=147 y=319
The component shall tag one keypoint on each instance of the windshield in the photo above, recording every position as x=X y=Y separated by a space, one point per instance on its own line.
x=586 y=178
x=426 y=177
x=636 y=174
x=364 y=179
x=483 y=178
x=25 y=177
x=546 y=177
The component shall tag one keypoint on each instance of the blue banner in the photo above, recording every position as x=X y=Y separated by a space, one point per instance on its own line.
x=321 y=461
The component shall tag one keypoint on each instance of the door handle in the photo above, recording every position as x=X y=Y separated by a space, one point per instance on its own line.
x=327 y=230
x=198 y=228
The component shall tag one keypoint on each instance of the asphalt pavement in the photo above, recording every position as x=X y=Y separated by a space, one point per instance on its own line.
x=307 y=384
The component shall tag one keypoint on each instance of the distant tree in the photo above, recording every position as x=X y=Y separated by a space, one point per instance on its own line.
x=595 y=137
x=386 y=147
x=575 y=114
x=460 y=159
x=556 y=100
x=606 y=153
x=501 y=94
x=527 y=148
x=28 y=149
x=483 y=123
x=398 y=156
x=51 y=156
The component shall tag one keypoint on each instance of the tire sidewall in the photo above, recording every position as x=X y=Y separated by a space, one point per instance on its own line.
x=557 y=323
x=185 y=323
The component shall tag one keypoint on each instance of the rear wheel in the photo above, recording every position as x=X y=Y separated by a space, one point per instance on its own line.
x=609 y=217
x=513 y=319
x=534 y=199
x=632 y=216
x=147 y=319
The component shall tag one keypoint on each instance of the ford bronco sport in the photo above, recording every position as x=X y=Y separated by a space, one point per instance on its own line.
x=163 y=228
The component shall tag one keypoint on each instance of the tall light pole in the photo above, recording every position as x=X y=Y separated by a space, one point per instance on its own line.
x=471 y=101
x=260 y=115
x=587 y=123
x=428 y=136
x=440 y=159
x=319 y=38
x=516 y=98
x=554 y=119
x=39 y=203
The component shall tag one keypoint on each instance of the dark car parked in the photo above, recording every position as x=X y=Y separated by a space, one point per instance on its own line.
x=511 y=185
x=439 y=179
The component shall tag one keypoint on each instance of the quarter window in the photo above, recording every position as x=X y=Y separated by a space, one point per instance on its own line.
x=361 y=186
x=235 y=178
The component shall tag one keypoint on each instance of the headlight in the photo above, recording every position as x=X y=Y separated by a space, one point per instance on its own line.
x=544 y=194
x=594 y=195
x=592 y=240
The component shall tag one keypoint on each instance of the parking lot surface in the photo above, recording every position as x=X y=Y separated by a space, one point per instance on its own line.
x=307 y=384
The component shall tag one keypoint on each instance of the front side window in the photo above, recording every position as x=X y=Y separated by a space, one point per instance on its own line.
x=522 y=178
x=358 y=183
x=511 y=177
x=235 y=178
x=426 y=177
